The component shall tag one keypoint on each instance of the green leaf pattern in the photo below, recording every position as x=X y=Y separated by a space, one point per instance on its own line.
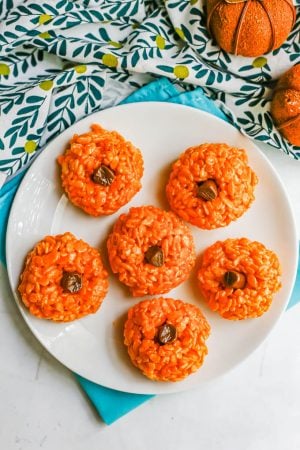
x=61 y=60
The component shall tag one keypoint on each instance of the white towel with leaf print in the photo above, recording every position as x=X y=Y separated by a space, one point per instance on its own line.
x=61 y=60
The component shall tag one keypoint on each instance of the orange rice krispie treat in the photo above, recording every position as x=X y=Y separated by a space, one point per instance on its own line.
x=211 y=185
x=151 y=250
x=63 y=279
x=238 y=278
x=165 y=338
x=100 y=171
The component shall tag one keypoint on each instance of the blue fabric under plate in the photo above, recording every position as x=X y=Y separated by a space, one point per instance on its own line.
x=112 y=404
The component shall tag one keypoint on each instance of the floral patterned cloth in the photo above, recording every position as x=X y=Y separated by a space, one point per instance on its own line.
x=61 y=60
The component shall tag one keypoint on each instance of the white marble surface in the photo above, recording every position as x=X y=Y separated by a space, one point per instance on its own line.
x=255 y=407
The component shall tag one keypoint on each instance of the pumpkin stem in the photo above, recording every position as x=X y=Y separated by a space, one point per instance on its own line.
x=239 y=27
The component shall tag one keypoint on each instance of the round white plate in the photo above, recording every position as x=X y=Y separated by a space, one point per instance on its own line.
x=93 y=346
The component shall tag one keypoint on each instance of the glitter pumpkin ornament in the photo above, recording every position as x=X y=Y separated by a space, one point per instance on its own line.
x=250 y=27
x=285 y=106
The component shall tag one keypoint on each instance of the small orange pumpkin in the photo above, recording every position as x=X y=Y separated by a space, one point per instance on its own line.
x=250 y=27
x=285 y=106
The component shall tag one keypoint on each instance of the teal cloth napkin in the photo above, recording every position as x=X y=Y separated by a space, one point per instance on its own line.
x=112 y=404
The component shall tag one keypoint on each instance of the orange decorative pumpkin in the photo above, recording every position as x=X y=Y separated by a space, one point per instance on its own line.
x=250 y=27
x=285 y=106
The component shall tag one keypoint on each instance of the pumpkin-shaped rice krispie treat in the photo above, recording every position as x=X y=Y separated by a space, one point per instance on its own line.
x=239 y=278
x=101 y=171
x=63 y=279
x=152 y=251
x=165 y=338
x=211 y=185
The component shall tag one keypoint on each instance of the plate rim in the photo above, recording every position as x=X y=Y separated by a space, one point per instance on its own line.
x=166 y=105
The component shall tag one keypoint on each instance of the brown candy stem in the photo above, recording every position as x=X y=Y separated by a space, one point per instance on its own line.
x=155 y=256
x=234 y=280
x=71 y=282
x=103 y=175
x=166 y=334
x=207 y=190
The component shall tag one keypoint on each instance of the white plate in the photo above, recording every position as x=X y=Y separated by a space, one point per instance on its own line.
x=93 y=346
